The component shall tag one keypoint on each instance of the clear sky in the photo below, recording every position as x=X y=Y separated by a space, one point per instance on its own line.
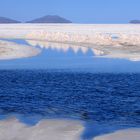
x=79 y=11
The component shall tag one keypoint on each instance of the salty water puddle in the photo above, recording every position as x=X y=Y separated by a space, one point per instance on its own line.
x=64 y=57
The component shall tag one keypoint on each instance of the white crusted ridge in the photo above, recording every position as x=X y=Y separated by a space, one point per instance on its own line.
x=117 y=41
x=10 y=50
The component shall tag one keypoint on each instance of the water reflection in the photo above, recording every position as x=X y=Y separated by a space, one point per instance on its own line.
x=65 y=47
x=120 y=51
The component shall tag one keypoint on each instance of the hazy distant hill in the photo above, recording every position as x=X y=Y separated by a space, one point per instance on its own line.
x=135 y=21
x=50 y=19
x=7 y=20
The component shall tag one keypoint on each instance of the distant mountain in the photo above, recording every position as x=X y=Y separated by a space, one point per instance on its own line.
x=50 y=19
x=135 y=22
x=7 y=20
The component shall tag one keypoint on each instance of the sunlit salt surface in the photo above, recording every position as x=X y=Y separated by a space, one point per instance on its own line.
x=12 y=50
x=133 y=134
x=12 y=129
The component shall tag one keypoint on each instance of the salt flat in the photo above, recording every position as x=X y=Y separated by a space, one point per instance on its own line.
x=10 y=50
x=113 y=40
x=56 y=129
x=12 y=129
x=130 y=134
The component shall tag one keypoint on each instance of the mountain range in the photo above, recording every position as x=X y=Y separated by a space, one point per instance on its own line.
x=50 y=19
x=8 y=20
x=135 y=22
x=45 y=19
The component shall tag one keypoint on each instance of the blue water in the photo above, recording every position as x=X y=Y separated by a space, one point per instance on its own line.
x=103 y=98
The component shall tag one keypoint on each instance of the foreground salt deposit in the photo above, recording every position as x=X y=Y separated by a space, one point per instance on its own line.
x=114 y=41
x=56 y=129
x=12 y=129
x=133 y=134
x=10 y=50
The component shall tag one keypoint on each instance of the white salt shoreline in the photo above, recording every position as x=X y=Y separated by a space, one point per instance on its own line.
x=56 y=129
x=12 y=129
x=129 y=134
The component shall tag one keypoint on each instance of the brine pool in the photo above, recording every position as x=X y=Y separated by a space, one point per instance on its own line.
x=71 y=83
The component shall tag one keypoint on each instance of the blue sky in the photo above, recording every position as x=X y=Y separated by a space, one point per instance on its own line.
x=79 y=11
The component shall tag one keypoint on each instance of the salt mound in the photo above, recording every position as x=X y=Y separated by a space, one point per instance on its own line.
x=10 y=50
x=133 y=134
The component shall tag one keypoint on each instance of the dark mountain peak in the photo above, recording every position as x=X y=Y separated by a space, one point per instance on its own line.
x=135 y=22
x=50 y=19
x=8 y=20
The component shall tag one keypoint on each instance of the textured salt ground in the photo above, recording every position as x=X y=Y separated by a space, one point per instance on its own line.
x=12 y=129
x=56 y=129
x=130 y=134
x=117 y=41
